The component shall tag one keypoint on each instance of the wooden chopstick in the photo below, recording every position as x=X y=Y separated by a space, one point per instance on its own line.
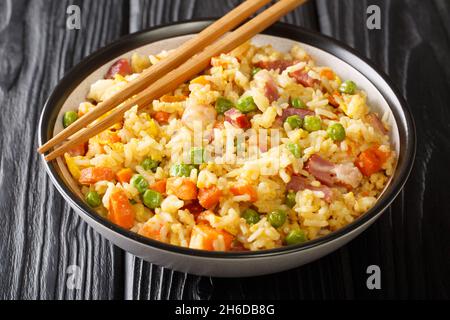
x=173 y=79
x=148 y=76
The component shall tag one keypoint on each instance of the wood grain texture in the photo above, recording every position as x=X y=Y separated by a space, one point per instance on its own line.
x=410 y=241
x=41 y=236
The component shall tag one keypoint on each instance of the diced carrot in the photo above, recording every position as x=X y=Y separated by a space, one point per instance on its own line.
x=371 y=160
x=151 y=230
x=200 y=80
x=159 y=186
x=124 y=175
x=94 y=174
x=187 y=190
x=79 y=150
x=245 y=189
x=208 y=235
x=209 y=197
x=161 y=117
x=327 y=73
x=170 y=98
x=121 y=211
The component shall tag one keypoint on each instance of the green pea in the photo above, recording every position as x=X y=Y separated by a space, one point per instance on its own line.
x=348 y=87
x=139 y=183
x=223 y=105
x=152 y=199
x=312 y=123
x=197 y=155
x=298 y=103
x=255 y=71
x=295 y=149
x=181 y=170
x=69 y=118
x=150 y=164
x=294 y=121
x=251 y=216
x=277 y=218
x=290 y=199
x=295 y=236
x=93 y=199
x=336 y=132
x=246 y=104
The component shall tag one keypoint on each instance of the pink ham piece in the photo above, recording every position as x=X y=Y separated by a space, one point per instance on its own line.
x=375 y=122
x=321 y=169
x=293 y=111
x=275 y=65
x=330 y=174
x=290 y=112
x=303 y=78
x=237 y=118
x=121 y=66
x=299 y=183
x=271 y=91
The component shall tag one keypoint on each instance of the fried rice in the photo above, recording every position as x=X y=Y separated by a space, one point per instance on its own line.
x=262 y=150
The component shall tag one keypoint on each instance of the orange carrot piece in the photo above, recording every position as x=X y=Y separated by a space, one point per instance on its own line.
x=371 y=160
x=121 y=211
x=94 y=174
x=152 y=231
x=327 y=73
x=124 y=175
x=159 y=186
x=161 y=117
x=211 y=234
x=186 y=191
x=209 y=197
x=245 y=189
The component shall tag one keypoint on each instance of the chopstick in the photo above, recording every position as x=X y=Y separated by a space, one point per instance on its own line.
x=173 y=79
x=148 y=76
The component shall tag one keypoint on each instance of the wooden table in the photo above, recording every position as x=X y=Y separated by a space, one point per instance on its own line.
x=40 y=236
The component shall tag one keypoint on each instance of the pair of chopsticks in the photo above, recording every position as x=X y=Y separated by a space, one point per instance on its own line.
x=166 y=75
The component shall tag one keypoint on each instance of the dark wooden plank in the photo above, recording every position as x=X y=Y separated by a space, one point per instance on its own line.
x=147 y=281
x=410 y=242
x=148 y=13
x=40 y=235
